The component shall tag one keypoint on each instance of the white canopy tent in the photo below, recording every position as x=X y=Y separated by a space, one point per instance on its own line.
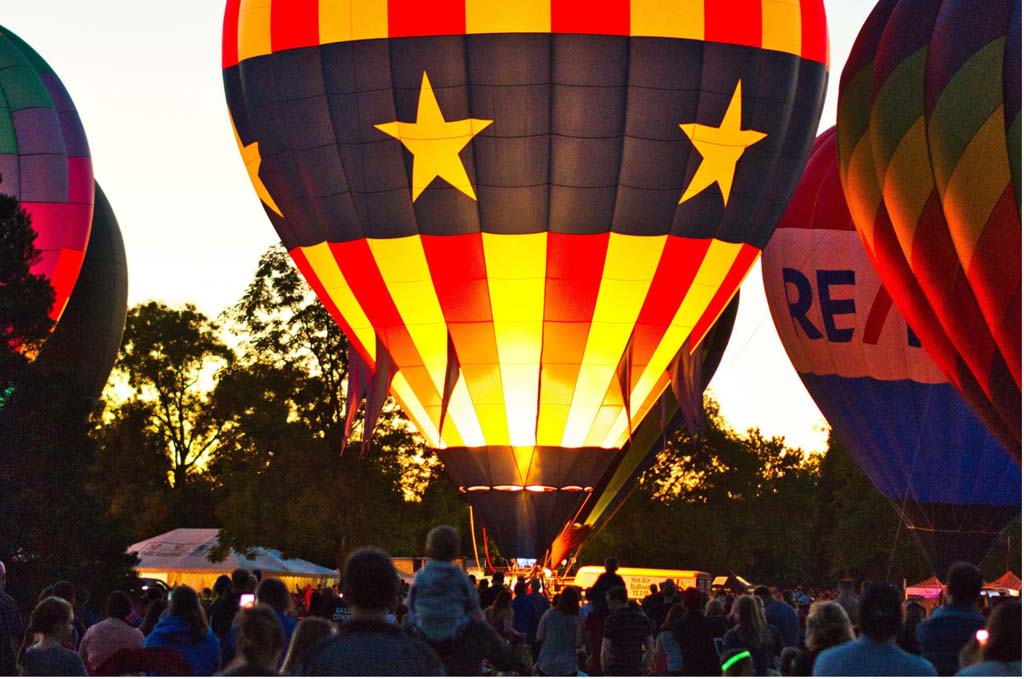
x=181 y=557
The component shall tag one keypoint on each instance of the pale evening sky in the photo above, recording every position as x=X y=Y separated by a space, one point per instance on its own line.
x=145 y=77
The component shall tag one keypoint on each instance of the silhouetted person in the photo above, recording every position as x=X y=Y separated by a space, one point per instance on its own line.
x=370 y=645
x=604 y=584
x=952 y=625
x=874 y=653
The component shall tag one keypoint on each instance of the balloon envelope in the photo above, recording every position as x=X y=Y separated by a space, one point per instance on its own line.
x=520 y=211
x=929 y=146
x=45 y=163
x=86 y=341
x=906 y=426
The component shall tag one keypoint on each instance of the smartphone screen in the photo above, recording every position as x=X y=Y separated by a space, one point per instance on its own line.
x=247 y=601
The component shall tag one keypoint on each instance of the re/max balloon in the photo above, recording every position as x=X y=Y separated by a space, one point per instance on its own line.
x=929 y=148
x=519 y=212
x=44 y=163
x=906 y=426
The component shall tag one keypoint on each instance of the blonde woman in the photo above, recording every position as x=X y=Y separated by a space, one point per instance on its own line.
x=752 y=633
x=828 y=625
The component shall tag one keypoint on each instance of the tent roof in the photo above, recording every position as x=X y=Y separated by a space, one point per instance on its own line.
x=188 y=549
x=930 y=588
x=1007 y=580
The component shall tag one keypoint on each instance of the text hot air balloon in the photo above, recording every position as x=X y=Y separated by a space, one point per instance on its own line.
x=44 y=163
x=520 y=211
x=906 y=426
x=929 y=148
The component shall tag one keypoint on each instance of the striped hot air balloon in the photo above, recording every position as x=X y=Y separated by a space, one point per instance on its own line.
x=929 y=147
x=907 y=427
x=520 y=211
x=45 y=163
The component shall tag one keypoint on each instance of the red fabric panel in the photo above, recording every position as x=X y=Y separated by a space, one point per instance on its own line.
x=294 y=23
x=880 y=308
x=229 y=43
x=409 y=18
x=813 y=31
x=360 y=269
x=937 y=268
x=679 y=264
x=602 y=17
x=730 y=284
x=310 y=276
x=574 y=269
x=459 y=272
x=995 y=276
x=737 y=22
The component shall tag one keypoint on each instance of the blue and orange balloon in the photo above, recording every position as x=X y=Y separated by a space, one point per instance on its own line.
x=887 y=401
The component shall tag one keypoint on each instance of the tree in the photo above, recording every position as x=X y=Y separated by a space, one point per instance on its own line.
x=166 y=357
x=25 y=298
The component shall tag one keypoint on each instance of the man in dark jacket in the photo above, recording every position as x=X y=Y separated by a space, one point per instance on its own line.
x=780 y=614
x=604 y=584
x=370 y=645
x=696 y=633
x=223 y=610
x=951 y=626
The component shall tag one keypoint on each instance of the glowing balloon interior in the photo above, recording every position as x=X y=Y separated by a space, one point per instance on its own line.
x=520 y=211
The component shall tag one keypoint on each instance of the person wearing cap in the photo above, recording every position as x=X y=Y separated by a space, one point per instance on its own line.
x=371 y=645
x=874 y=653
x=669 y=598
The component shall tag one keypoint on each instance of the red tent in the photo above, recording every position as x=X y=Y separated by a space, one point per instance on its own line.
x=929 y=589
x=1007 y=583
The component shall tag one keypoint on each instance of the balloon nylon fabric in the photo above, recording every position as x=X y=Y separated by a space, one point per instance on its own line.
x=45 y=163
x=929 y=145
x=907 y=427
x=530 y=188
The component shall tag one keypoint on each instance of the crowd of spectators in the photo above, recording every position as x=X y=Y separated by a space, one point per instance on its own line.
x=447 y=623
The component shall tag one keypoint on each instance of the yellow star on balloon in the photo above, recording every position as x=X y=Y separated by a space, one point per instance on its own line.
x=435 y=143
x=251 y=158
x=720 y=149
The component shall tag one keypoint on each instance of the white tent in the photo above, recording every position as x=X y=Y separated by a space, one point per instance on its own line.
x=181 y=557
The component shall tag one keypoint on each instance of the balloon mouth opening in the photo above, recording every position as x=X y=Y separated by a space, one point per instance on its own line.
x=512 y=488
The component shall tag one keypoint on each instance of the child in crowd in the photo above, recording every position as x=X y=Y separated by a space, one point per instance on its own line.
x=442 y=599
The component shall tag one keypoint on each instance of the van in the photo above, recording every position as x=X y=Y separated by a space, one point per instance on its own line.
x=639 y=580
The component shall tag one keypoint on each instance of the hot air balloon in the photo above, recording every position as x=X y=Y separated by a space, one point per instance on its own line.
x=907 y=427
x=674 y=411
x=86 y=341
x=929 y=148
x=519 y=212
x=45 y=163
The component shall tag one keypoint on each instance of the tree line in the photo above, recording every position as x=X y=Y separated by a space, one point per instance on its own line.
x=238 y=422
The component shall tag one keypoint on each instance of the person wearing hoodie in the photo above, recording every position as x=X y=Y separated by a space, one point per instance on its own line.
x=183 y=628
x=442 y=600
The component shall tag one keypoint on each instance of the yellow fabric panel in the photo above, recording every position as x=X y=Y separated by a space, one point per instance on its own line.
x=618 y=434
x=975 y=187
x=524 y=461
x=403 y=265
x=321 y=259
x=520 y=16
x=717 y=262
x=516 y=266
x=908 y=184
x=668 y=18
x=863 y=196
x=344 y=20
x=253 y=28
x=412 y=407
x=628 y=271
x=780 y=25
